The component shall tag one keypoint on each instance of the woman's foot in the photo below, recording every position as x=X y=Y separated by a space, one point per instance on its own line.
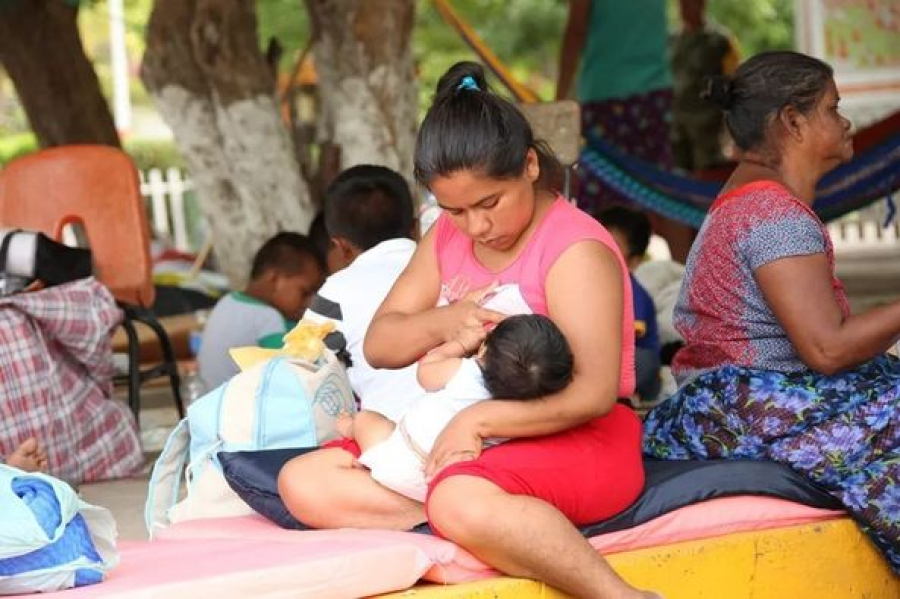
x=29 y=456
x=343 y=424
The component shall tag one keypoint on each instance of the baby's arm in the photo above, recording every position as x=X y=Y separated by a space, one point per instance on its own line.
x=439 y=365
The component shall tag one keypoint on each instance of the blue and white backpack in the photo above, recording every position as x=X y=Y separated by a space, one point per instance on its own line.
x=277 y=404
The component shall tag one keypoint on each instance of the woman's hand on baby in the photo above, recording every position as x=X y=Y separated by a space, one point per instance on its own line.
x=474 y=321
x=458 y=442
x=471 y=338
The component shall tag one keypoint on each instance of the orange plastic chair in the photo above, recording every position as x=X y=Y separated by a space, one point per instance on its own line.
x=96 y=188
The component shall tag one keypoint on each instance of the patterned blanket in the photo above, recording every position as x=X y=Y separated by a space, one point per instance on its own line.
x=56 y=382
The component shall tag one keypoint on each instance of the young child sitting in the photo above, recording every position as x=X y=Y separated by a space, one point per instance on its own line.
x=286 y=272
x=631 y=230
x=524 y=357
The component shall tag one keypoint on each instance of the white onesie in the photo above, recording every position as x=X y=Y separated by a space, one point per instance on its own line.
x=397 y=462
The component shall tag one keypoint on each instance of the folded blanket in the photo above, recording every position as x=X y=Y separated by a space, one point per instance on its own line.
x=56 y=382
x=49 y=538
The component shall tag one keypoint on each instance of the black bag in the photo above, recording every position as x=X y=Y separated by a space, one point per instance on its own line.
x=26 y=256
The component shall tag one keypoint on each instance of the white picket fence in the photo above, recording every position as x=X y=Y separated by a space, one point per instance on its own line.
x=165 y=193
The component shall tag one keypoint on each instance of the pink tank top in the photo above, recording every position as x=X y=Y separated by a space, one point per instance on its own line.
x=562 y=226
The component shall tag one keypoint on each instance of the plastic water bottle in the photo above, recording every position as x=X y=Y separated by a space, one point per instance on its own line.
x=196 y=335
x=192 y=386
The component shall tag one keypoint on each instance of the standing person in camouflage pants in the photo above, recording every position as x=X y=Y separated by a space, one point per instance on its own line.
x=700 y=50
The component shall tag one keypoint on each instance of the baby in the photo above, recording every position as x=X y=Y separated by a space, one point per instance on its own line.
x=524 y=357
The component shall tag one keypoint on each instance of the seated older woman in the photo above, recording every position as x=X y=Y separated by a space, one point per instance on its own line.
x=775 y=367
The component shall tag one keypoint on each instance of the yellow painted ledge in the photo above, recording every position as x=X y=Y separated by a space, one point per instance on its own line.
x=829 y=560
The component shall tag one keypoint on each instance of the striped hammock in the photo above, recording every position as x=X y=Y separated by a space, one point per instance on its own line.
x=872 y=174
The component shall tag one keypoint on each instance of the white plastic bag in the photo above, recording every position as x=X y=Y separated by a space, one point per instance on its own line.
x=49 y=538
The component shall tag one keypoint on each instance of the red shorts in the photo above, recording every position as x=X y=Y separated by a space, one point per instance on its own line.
x=589 y=473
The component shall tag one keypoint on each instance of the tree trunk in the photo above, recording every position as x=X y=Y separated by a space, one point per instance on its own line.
x=209 y=79
x=364 y=68
x=41 y=50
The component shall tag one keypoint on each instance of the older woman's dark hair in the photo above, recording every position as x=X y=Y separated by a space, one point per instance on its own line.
x=526 y=357
x=470 y=128
x=762 y=87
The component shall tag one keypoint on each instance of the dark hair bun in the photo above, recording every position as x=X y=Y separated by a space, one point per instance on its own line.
x=719 y=90
x=460 y=78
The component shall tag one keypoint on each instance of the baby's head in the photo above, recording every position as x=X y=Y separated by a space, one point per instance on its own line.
x=526 y=357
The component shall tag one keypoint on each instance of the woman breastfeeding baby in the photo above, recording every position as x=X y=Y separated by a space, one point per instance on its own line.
x=524 y=357
x=571 y=456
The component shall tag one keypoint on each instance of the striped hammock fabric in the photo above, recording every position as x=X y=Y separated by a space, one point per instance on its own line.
x=872 y=174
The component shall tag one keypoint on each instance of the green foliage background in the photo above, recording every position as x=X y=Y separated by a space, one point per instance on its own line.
x=524 y=34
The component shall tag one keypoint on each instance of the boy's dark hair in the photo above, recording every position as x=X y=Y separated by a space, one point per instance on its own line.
x=286 y=252
x=470 y=128
x=526 y=357
x=318 y=234
x=633 y=223
x=762 y=87
x=368 y=204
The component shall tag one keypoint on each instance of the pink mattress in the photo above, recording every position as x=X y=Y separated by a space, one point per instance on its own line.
x=249 y=556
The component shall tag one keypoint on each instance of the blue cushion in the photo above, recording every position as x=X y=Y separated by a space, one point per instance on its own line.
x=670 y=485
x=254 y=477
x=676 y=484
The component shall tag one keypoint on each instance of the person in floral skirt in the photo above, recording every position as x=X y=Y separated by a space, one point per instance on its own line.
x=774 y=365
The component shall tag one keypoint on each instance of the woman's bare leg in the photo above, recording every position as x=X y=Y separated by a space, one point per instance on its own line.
x=523 y=536
x=329 y=489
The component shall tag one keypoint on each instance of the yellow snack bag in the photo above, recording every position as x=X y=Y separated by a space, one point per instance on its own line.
x=304 y=342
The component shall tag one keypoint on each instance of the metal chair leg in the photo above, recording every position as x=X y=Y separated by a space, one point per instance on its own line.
x=170 y=366
x=134 y=366
x=169 y=360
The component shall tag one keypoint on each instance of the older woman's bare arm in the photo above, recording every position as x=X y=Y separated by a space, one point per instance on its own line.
x=798 y=289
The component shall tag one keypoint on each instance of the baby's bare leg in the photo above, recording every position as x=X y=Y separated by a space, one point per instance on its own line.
x=370 y=428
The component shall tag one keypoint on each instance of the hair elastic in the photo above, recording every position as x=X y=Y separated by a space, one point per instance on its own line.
x=468 y=82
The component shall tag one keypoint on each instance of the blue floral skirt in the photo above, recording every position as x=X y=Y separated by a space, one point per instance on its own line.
x=841 y=431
